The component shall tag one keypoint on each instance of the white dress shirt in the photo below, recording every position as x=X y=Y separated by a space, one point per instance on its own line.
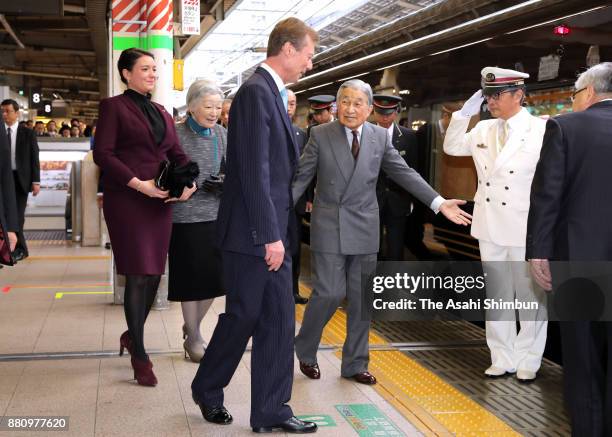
x=277 y=79
x=13 y=143
x=349 y=135
x=390 y=130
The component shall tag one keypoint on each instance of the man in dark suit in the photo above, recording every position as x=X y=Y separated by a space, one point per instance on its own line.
x=8 y=205
x=300 y=208
x=24 y=162
x=569 y=220
x=396 y=204
x=253 y=233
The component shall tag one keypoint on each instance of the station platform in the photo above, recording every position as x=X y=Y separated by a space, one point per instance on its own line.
x=59 y=357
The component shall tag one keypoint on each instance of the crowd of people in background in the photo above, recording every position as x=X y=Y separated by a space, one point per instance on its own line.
x=75 y=129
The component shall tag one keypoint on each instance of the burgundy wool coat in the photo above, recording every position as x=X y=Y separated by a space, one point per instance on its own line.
x=139 y=226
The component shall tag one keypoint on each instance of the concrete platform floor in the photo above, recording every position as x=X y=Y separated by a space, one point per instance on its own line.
x=96 y=392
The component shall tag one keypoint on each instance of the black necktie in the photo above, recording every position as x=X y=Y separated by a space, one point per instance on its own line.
x=355 y=145
x=8 y=135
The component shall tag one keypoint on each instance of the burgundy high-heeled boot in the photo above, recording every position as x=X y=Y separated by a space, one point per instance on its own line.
x=143 y=372
x=125 y=342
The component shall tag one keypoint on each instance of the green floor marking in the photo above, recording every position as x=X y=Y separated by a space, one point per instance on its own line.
x=319 y=419
x=368 y=421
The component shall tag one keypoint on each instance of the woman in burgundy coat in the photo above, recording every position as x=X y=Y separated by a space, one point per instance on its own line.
x=133 y=136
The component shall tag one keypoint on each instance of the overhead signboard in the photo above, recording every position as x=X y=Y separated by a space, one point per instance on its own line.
x=36 y=98
x=32 y=7
x=549 y=67
x=47 y=107
x=190 y=17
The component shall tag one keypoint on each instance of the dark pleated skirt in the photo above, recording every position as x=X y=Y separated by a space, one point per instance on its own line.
x=194 y=263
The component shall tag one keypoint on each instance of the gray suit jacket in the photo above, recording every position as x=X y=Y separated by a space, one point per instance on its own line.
x=345 y=216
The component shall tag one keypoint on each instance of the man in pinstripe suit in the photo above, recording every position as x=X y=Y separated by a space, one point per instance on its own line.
x=253 y=230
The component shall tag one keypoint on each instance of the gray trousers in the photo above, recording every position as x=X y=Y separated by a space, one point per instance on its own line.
x=336 y=276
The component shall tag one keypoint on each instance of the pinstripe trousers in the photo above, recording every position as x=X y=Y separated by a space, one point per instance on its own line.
x=259 y=304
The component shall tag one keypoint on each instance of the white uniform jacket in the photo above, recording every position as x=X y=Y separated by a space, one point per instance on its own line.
x=504 y=178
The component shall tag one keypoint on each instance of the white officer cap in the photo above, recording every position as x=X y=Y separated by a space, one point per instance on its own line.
x=495 y=79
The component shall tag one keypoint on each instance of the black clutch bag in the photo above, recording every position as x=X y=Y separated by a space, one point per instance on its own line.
x=174 y=178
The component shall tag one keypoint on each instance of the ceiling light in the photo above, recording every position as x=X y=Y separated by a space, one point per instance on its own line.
x=399 y=63
x=353 y=77
x=554 y=20
x=460 y=47
x=561 y=30
x=320 y=86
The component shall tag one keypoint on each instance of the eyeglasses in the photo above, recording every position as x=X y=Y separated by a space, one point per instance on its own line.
x=575 y=93
x=497 y=95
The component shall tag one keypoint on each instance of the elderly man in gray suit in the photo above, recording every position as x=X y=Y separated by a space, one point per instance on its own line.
x=347 y=155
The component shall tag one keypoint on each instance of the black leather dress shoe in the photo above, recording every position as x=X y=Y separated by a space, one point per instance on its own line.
x=18 y=255
x=364 y=378
x=293 y=425
x=300 y=300
x=310 y=370
x=215 y=414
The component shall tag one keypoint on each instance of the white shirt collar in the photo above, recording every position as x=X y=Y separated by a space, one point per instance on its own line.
x=16 y=124
x=349 y=132
x=277 y=79
x=516 y=119
x=390 y=130
x=349 y=135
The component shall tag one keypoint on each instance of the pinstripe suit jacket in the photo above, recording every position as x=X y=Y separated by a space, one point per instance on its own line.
x=261 y=161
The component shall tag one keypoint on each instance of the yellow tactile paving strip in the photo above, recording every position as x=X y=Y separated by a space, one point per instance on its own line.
x=38 y=243
x=67 y=258
x=432 y=405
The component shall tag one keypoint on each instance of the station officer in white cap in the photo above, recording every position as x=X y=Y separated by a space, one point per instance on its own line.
x=505 y=152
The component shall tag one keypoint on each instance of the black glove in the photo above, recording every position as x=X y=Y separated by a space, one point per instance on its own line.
x=214 y=183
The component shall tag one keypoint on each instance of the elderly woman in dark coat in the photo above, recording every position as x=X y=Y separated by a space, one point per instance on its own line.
x=134 y=135
x=195 y=264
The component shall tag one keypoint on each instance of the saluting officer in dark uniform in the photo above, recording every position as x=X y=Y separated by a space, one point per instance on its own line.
x=397 y=205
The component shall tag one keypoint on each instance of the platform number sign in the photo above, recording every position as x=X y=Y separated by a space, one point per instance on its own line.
x=47 y=107
x=36 y=98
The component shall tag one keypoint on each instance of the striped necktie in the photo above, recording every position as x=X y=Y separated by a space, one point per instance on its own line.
x=355 y=145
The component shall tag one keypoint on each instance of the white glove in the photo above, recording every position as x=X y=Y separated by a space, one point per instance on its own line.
x=472 y=105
